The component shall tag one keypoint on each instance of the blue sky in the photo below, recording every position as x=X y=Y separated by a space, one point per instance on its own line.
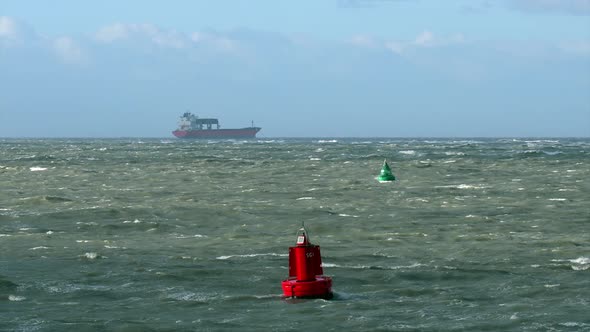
x=338 y=68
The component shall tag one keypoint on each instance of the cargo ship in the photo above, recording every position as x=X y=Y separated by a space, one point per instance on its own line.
x=191 y=126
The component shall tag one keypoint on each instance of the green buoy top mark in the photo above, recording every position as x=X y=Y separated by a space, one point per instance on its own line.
x=385 y=175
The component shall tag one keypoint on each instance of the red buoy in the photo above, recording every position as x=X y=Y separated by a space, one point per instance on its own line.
x=306 y=279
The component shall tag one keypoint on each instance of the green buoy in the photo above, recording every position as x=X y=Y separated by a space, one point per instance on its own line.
x=385 y=175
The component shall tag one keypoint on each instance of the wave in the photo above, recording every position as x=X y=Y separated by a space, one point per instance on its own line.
x=192 y=297
x=39 y=248
x=6 y=286
x=36 y=158
x=577 y=264
x=463 y=186
x=45 y=199
x=373 y=267
x=536 y=153
x=580 y=263
x=408 y=152
x=250 y=256
x=92 y=256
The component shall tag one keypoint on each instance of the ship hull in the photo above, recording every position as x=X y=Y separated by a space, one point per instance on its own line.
x=217 y=133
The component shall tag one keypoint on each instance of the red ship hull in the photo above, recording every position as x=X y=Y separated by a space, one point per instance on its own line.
x=218 y=133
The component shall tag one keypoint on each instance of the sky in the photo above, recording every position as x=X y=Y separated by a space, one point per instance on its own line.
x=306 y=68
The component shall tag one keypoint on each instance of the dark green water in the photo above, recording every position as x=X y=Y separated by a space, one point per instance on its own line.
x=171 y=235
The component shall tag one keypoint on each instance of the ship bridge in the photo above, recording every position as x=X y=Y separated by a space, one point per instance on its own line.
x=192 y=122
x=204 y=123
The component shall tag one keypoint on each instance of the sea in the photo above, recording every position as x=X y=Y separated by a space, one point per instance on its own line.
x=134 y=234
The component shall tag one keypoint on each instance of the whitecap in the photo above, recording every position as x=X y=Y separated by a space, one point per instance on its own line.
x=581 y=260
x=408 y=152
x=365 y=267
x=38 y=169
x=462 y=186
x=90 y=223
x=16 y=298
x=558 y=199
x=417 y=199
x=580 y=263
x=574 y=324
x=37 y=248
x=91 y=255
x=250 y=255
x=136 y=221
x=68 y=288
x=182 y=236
x=468 y=186
x=304 y=198
x=189 y=296
x=268 y=296
x=347 y=215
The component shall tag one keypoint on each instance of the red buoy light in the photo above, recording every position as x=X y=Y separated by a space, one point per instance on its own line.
x=306 y=279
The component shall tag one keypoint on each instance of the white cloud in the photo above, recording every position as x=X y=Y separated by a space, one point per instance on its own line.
x=363 y=41
x=121 y=31
x=364 y=3
x=219 y=42
x=576 y=48
x=68 y=50
x=395 y=47
x=112 y=32
x=426 y=38
x=457 y=38
x=575 y=7
x=13 y=32
x=7 y=27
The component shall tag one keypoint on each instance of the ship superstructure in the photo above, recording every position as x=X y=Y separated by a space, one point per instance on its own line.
x=191 y=126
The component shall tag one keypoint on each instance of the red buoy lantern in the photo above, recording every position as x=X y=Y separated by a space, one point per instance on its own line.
x=306 y=276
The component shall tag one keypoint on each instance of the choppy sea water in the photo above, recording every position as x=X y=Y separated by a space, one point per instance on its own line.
x=173 y=235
